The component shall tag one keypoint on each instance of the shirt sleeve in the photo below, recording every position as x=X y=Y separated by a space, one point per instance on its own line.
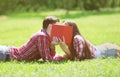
x=78 y=46
x=44 y=48
x=53 y=53
x=60 y=57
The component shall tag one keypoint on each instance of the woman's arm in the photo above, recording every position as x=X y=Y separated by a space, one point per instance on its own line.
x=64 y=46
x=56 y=57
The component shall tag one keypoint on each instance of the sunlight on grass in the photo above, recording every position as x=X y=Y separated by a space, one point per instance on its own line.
x=93 y=68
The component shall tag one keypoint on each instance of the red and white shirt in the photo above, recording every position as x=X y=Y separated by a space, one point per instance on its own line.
x=79 y=44
x=37 y=47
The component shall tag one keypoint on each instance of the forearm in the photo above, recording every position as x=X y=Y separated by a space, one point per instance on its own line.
x=65 y=49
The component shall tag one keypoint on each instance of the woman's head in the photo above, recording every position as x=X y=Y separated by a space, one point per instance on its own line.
x=49 y=20
x=74 y=25
x=75 y=32
x=86 y=49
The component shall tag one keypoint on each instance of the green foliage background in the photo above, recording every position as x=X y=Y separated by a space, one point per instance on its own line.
x=11 y=6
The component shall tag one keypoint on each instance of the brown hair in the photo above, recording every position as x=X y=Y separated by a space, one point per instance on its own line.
x=49 y=20
x=86 y=50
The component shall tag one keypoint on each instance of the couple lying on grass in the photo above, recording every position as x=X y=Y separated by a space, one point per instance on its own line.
x=41 y=47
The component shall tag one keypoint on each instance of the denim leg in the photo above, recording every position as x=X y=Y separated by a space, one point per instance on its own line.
x=110 y=53
x=3 y=50
x=2 y=56
x=108 y=50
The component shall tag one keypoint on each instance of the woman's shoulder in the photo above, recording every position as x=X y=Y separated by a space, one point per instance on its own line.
x=78 y=37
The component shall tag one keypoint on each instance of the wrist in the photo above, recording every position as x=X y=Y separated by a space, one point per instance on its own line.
x=52 y=47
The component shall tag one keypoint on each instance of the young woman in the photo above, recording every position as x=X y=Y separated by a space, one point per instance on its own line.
x=83 y=49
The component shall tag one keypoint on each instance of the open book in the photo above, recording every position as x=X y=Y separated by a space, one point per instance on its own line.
x=61 y=31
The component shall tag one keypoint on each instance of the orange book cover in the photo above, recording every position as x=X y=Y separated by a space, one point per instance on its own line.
x=61 y=31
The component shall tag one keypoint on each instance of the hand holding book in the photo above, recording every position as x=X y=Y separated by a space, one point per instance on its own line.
x=55 y=41
x=64 y=46
x=62 y=35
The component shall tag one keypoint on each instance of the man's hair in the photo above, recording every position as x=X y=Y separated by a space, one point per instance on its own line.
x=49 y=20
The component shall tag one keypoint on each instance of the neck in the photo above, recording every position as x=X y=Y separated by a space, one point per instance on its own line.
x=48 y=32
x=48 y=29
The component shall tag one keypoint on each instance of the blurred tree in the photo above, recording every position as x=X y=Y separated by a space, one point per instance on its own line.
x=21 y=2
x=40 y=5
x=115 y=3
x=91 y=5
x=7 y=5
x=69 y=5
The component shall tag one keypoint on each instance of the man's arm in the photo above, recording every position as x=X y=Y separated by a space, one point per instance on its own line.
x=44 y=48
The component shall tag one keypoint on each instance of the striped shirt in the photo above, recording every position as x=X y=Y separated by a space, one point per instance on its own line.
x=36 y=48
x=79 y=44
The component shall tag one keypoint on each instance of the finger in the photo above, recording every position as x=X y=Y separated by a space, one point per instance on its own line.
x=56 y=39
x=60 y=40
x=63 y=39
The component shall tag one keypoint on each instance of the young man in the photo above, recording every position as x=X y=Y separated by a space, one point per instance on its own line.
x=39 y=46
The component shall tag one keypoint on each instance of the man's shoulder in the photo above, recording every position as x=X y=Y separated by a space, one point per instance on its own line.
x=40 y=33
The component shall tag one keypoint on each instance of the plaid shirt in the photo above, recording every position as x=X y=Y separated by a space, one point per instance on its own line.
x=79 y=44
x=37 y=47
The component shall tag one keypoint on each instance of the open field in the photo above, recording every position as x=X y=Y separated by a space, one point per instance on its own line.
x=97 y=28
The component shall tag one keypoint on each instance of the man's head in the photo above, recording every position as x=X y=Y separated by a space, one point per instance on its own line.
x=49 y=20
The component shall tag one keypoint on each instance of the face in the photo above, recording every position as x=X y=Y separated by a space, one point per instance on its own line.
x=48 y=30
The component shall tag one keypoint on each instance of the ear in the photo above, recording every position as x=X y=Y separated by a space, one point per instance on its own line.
x=49 y=28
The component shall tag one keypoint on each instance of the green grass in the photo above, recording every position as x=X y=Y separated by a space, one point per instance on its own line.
x=91 y=68
x=97 y=28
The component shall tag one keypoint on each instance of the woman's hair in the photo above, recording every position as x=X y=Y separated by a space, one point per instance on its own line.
x=86 y=50
x=49 y=20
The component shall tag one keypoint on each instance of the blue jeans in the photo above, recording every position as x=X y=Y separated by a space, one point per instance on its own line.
x=108 y=50
x=109 y=53
x=4 y=53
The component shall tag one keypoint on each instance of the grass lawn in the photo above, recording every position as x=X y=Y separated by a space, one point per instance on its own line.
x=98 y=28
